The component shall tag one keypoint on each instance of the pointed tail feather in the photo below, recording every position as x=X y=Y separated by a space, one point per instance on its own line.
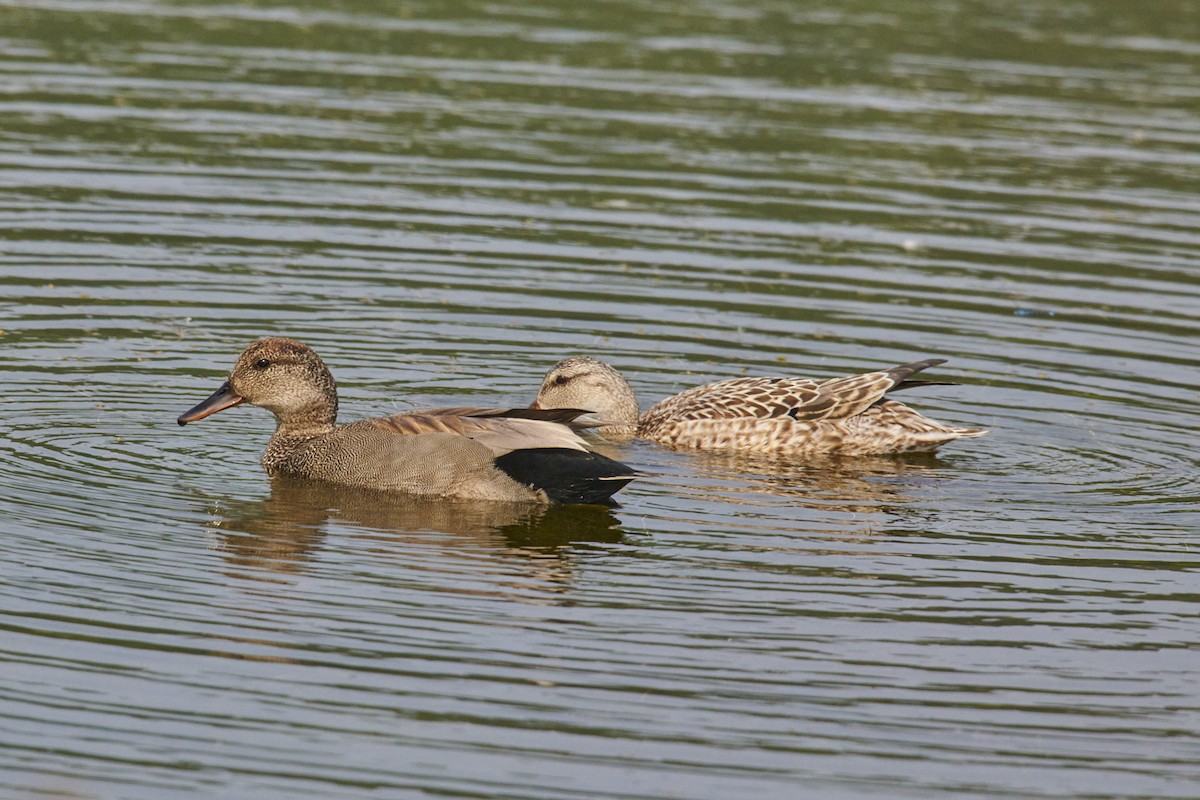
x=901 y=373
x=919 y=384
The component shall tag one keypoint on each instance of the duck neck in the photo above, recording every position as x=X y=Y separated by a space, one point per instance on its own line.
x=626 y=413
x=619 y=432
x=314 y=420
x=286 y=442
x=296 y=427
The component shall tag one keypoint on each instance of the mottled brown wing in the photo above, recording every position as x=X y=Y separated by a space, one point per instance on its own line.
x=736 y=398
x=844 y=397
x=841 y=398
x=798 y=398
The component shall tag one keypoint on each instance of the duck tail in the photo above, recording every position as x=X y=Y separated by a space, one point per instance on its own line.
x=919 y=384
x=902 y=373
x=566 y=475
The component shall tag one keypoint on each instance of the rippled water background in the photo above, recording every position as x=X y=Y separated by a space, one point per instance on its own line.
x=445 y=198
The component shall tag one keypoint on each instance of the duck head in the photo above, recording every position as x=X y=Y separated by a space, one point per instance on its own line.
x=584 y=382
x=285 y=377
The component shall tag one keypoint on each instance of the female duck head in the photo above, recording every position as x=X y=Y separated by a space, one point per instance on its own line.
x=583 y=382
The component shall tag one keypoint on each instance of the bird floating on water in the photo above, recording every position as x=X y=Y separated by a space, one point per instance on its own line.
x=787 y=416
x=515 y=455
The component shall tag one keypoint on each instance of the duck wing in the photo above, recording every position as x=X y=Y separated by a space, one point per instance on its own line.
x=798 y=398
x=736 y=398
x=847 y=397
x=576 y=418
x=452 y=451
x=500 y=434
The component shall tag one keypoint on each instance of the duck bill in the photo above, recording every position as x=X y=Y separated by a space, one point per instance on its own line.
x=220 y=400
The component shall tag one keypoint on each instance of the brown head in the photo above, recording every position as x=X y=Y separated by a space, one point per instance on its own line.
x=283 y=376
x=583 y=382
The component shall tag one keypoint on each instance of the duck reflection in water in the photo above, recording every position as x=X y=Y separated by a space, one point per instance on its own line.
x=859 y=497
x=284 y=532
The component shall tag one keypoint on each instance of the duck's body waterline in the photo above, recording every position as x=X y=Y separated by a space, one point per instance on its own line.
x=773 y=415
x=479 y=454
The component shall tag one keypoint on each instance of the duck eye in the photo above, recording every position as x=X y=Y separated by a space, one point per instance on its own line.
x=262 y=363
x=559 y=380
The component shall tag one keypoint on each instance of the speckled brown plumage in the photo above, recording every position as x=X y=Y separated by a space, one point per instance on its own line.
x=471 y=453
x=781 y=415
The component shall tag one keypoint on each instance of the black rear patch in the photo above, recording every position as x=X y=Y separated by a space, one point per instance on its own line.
x=566 y=475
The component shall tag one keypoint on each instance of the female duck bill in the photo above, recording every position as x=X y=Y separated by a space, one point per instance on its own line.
x=221 y=399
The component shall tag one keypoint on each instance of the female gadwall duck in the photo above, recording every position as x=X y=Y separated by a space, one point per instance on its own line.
x=785 y=416
x=482 y=454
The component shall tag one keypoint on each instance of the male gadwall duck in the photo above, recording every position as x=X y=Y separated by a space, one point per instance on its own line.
x=483 y=454
x=784 y=416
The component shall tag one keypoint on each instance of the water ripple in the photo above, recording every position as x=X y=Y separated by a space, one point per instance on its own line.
x=444 y=202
